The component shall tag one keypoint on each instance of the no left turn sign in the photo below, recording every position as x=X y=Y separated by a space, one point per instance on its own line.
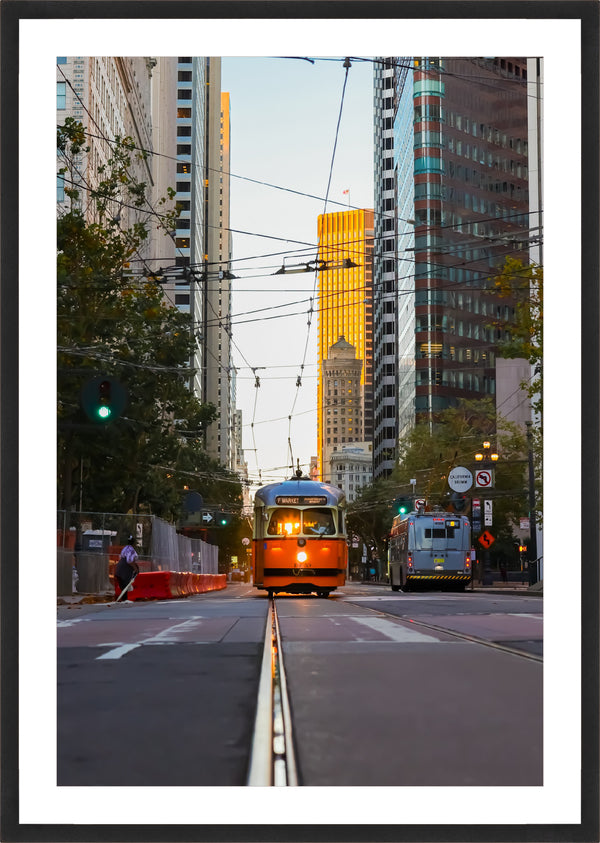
x=483 y=479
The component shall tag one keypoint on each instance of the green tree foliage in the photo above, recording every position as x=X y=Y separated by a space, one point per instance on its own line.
x=525 y=286
x=427 y=455
x=111 y=324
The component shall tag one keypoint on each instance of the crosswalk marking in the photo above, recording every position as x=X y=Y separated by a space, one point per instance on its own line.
x=394 y=631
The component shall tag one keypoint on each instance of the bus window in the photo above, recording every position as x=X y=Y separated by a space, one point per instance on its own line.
x=284 y=522
x=318 y=522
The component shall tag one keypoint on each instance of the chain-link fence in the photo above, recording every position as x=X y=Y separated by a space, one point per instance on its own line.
x=89 y=545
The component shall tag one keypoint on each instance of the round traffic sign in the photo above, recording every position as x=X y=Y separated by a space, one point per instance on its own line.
x=460 y=479
x=483 y=478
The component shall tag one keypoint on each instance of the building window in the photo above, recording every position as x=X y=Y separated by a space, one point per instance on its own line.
x=181 y=298
x=184 y=76
x=60 y=188
x=61 y=95
x=184 y=94
x=61 y=60
x=184 y=113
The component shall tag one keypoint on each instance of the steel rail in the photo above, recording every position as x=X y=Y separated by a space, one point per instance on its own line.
x=272 y=757
x=464 y=636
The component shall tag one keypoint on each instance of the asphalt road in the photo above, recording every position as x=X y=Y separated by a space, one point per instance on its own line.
x=385 y=688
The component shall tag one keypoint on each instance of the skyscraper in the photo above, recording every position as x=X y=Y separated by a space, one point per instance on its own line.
x=451 y=163
x=344 y=306
x=111 y=97
x=343 y=404
x=203 y=240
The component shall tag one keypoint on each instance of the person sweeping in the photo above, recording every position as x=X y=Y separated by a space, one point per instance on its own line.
x=127 y=567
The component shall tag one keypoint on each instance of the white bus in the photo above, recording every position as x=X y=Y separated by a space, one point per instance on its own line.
x=430 y=549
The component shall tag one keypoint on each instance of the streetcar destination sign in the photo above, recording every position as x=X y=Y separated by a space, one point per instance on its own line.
x=301 y=500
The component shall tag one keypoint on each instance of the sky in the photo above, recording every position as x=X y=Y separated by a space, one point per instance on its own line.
x=284 y=118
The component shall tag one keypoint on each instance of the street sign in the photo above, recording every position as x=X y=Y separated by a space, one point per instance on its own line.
x=476 y=525
x=420 y=502
x=207 y=517
x=460 y=479
x=476 y=508
x=484 y=479
x=486 y=539
x=524 y=524
x=487 y=508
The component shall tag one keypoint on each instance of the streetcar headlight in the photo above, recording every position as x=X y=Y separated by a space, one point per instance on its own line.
x=302 y=556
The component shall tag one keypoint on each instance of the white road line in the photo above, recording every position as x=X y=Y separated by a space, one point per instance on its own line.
x=70 y=622
x=394 y=631
x=167 y=636
x=120 y=651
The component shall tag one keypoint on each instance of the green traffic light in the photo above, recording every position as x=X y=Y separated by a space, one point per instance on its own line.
x=104 y=412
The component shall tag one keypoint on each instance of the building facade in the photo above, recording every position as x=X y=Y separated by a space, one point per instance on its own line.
x=457 y=145
x=343 y=405
x=351 y=468
x=112 y=97
x=345 y=309
x=203 y=241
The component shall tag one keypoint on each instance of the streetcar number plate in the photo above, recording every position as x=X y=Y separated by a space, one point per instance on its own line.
x=438 y=561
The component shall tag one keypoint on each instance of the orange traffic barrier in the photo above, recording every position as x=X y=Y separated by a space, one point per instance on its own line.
x=164 y=585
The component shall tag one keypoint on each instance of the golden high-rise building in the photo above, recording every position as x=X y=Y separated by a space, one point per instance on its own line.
x=345 y=306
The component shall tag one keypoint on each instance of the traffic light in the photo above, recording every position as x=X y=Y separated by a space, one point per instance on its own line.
x=104 y=408
x=103 y=398
x=459 y=502
x=223 y=519
x=403 y=505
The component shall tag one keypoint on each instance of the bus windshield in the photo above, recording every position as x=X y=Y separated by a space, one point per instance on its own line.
x=436 y=534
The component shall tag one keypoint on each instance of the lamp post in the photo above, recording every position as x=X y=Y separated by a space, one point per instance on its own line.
x=486 y=457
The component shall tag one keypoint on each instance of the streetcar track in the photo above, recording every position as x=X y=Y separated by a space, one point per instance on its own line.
x=463 y=636
x=272 y=757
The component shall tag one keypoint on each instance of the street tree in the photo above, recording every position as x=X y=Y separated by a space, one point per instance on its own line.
x=524 y=285
x=114 y=325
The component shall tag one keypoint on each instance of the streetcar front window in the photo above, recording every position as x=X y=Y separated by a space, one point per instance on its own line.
x=318 y=522
x=285 y=522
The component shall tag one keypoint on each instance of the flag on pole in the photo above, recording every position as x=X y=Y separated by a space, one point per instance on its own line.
x=347 y=193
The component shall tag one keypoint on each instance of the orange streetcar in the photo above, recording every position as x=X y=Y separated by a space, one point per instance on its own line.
x=299 y=539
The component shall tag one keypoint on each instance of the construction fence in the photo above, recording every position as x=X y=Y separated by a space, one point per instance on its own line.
x=89 y=545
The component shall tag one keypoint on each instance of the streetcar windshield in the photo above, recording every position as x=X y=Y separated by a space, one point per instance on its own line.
x=311 y=522
x=318 y=522
x=285 y=522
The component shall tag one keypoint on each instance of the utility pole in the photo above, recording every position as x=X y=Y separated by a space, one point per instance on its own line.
x=532 y=554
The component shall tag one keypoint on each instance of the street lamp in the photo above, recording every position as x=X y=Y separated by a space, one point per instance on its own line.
x=487 y=455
